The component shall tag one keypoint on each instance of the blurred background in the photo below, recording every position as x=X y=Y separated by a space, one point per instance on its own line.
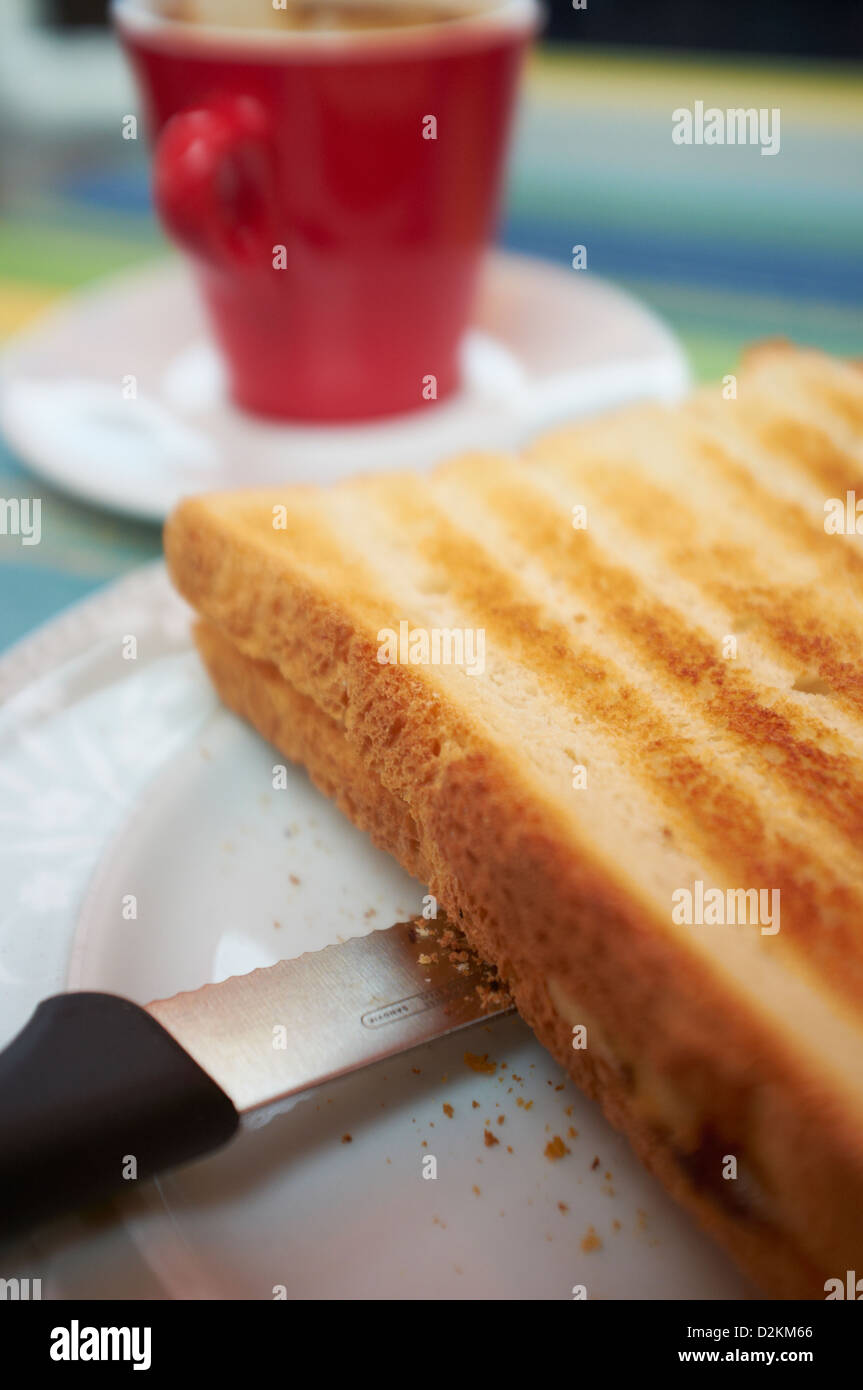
x=728 y=246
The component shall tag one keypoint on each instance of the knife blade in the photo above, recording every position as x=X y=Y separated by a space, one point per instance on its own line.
x=97 y=1091
x=286 y=1029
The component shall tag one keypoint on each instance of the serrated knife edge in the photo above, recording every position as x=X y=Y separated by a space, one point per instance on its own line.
x=282 y=1030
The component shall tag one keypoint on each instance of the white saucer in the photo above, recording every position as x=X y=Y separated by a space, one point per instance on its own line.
x=547 y=344
x=124 y=777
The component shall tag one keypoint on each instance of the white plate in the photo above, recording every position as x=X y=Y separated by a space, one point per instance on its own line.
x=124 y=777
x=546 y=344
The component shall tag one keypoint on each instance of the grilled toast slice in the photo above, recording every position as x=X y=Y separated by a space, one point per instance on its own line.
x=669 y=697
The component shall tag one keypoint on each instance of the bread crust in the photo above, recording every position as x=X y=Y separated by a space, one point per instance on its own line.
x=294 y=724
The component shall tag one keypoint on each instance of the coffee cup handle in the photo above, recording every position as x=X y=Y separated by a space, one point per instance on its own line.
x=213 y=181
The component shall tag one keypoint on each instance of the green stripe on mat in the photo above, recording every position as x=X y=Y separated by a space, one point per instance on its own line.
x=66 y=257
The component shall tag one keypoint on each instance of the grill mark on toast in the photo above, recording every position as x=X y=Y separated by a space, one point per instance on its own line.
x=792 y=620
x=789 y=521
x=665 y=641
x=799 y=380
x=847 y=406
x=708 y=809
x=809 y=448
x=791 y=625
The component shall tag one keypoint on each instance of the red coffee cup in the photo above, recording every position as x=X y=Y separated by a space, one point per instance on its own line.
x=335 y=191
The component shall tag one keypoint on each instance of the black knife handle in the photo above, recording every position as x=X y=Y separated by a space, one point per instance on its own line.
x=94 y=1090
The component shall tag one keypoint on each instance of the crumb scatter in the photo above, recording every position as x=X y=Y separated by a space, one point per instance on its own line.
x=480 y=1064
x=590 y=1241
x=555 y=1148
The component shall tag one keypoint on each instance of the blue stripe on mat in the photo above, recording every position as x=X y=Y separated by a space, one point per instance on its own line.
x=722 y=264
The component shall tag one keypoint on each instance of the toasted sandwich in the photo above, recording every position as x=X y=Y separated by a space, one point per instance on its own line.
x=606 y=699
